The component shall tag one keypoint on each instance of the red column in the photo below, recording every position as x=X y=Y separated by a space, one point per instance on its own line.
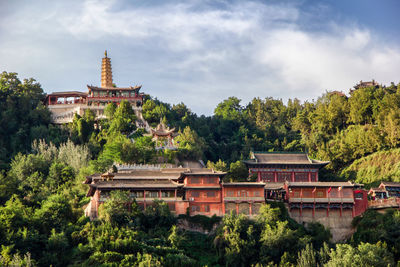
x=237 y=208
x=144 y=199
x=175 y=194
x=223 y=198
x=313 y=210
x=276 y=177
x=258 y=176
x=309 y=176
x=316 y=176
x=250 y=209
x=292 y=176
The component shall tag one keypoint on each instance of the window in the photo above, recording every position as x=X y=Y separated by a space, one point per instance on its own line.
x=296 y=194
x=284 y=176
x=135 y=194
x=267 y=176
x=230 y=193
x=210 y=180
x=320 y=194
x=211 y=194
x=243 y=193
x=195 y=180
x=195 y=194
x=206 y=208
x=152 y=194
x=195 y=208
x=301 y=177
x=167 y=194
x=257 y=193
x=359 y=196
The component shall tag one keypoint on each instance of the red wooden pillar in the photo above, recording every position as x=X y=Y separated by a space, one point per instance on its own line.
x=276 y=177
x=353 y=212
x=316 y=176
x=292 y=176
x=250 y=209
x=223 y=199
x=313 y=209
x=144 y=199
x=237 y=208
x=159 y=194
x=309 y=176
x=175 y=194
x=258 y=176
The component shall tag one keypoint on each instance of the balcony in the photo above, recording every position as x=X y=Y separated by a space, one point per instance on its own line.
x=384 y=203
x=321 y=200
x=244 y=199
x=113 y=98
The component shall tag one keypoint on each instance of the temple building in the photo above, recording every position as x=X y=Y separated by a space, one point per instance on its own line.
x=163 y=136
x=64 y=105
x=194 y=190
x=279 y=167
x=333 y=204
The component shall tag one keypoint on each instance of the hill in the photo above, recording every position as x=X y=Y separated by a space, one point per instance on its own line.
x=379 y=166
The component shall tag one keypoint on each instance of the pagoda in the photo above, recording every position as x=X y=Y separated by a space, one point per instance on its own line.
x=108 y=92
x=64 y=105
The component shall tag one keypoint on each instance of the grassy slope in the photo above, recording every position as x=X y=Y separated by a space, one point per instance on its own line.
x=379 y=166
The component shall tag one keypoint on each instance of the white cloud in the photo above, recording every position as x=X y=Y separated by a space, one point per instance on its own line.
x=196 y=52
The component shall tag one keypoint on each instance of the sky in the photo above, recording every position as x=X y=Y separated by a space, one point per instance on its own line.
x=202 y=52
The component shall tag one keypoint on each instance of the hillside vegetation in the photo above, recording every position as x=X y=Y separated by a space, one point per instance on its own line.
x=42 y=168
x=382 y=165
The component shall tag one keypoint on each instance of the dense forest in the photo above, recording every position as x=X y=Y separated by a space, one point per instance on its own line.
x=42 y=167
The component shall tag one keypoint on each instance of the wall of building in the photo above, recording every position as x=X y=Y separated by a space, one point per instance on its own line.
x=282 y=175
x=339 y=224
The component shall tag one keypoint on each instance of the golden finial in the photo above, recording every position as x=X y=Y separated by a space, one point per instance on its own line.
x=105 y=53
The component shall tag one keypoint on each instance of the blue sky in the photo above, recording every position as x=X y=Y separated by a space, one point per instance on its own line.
x=202 y=52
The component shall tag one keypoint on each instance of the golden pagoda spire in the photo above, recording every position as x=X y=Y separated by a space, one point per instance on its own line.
x=106 y=72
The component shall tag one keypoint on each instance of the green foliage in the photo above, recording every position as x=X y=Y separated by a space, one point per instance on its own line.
x=190 y=144
x=382 y=165
x=364 y=255
x=116 y=209
x=238 y=171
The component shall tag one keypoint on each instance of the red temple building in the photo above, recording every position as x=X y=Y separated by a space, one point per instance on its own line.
x=198 y=191
x=64 y=105
x=280 y=167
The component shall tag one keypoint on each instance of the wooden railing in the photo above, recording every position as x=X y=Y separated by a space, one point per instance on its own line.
x=383 y=203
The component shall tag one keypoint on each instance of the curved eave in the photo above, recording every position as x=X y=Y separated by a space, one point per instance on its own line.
x=311 y=165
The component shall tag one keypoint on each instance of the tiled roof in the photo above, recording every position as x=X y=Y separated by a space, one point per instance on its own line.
x=244 y=184
x=321 y=184
x=137 y=87
x=390 y=184
x=283 y=158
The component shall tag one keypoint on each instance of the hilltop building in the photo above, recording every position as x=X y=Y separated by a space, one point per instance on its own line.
x=64 y=105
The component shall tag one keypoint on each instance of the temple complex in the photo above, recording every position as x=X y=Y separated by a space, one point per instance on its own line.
x=290 y=178
x=64 y=105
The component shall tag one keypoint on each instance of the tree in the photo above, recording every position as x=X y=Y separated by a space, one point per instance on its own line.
x=191 y=146
x=55 y=212
x=364 y=255
x=115 y=209
x=123 y=119
x=238 y=171
x=306 y=257
x=229 y=109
